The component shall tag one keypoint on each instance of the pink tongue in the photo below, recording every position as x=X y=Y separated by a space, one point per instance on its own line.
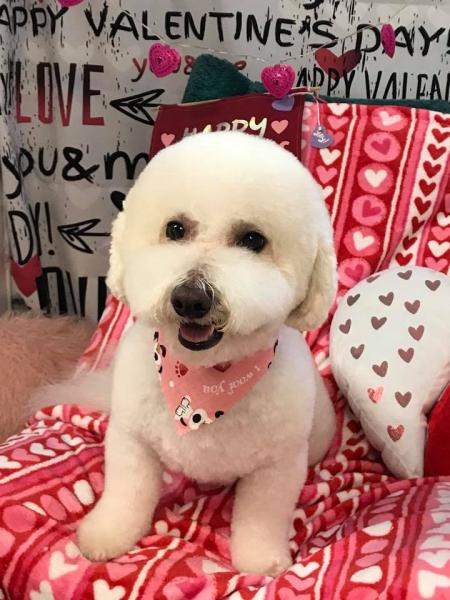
x=196 y=333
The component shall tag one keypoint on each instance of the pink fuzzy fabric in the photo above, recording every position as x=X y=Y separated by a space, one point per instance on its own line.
x=34 y=351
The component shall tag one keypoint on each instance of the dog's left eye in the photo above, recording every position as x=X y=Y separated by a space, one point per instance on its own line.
x=252 y=240
x=175 y=231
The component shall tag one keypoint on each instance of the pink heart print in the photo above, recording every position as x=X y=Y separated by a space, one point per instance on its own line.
x=163 y=60
x=278 y=80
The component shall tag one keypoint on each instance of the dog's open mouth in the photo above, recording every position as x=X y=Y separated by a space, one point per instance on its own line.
x=198 y=337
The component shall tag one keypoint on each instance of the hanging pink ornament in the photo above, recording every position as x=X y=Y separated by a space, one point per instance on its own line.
x=69 y=3
x=278 y=80
x=163 y=59
x=388 y=39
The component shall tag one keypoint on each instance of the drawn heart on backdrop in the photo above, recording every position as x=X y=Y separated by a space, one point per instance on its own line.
x=25 y=276
x=329 y=61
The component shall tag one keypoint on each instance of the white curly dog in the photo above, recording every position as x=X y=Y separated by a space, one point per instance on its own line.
x=224 y=245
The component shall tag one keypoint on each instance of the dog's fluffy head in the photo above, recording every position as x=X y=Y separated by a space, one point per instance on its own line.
x=220 y=187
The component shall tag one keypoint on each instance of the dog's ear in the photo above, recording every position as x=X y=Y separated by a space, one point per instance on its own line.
x=114 y=279
x=321 y=292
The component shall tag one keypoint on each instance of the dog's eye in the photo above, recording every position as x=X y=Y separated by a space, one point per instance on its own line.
x=175 y=231
x=252 y=240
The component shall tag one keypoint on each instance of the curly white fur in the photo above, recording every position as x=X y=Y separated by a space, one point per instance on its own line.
x=219 y=182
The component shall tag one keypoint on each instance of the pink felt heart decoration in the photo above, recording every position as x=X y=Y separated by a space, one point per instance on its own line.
x=278 y=80
x=388 y=39
x=163 y=59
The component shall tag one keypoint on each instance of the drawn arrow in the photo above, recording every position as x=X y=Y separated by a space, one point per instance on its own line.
x=74 y=233
x=136 y=106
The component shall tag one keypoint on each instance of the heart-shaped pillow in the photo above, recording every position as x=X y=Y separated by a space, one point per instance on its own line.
x=390 y=355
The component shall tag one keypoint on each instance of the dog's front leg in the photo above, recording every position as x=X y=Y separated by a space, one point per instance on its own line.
x=124 y=513
x=262 y=516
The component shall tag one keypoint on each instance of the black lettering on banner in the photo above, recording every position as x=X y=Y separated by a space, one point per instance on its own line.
x=408 y=38
x=390 y=91
x=118 y=25
x=365 y=31
x=72 y=293
x=28 y=230
x=18 y=171
x=319 y=28
x=146 y=29
x=313 y=5
x=189 y=26
x=421 y=86
x=43 y=287
x=22 y=236
x=38 y=18
x=73 y=157
x=305 y=26
x=129 y=163
x=170 y=24
x=427 y=39
x=253 y=29
x=17 y=12
x=219 y=16
x=237 y=33
x=34 y=214
x=280 y=31
x=55 y=16
x=97 y=28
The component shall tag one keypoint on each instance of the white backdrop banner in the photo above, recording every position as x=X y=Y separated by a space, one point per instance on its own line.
x=77 y=104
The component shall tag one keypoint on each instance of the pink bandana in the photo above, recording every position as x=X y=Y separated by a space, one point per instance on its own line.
x=199 y=395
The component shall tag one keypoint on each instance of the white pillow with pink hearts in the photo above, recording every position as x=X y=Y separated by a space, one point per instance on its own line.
x=390 y=355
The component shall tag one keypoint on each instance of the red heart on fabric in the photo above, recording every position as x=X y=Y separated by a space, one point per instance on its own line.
x=328 y=60
x=163 y=60
x=435 y=151
x=436 y=265
x=375 y=394
x=278 y=80
x=368 y=210
x=354 y=426
x=356 y=454
x=444 y=121
x=403 y=259
x=426 y=187
x=440 y=136
x=395 y=433
x=22 y=454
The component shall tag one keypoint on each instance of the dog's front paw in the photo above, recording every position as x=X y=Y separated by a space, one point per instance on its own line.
x=260 y=559
x=102 y=537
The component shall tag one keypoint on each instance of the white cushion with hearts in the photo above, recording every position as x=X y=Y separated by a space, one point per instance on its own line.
x=390 y=355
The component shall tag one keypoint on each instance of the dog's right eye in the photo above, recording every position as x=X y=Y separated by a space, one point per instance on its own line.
x=252 y=240
x=175 y=231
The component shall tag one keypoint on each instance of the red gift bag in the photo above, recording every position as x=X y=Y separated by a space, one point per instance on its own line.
x=253 y=114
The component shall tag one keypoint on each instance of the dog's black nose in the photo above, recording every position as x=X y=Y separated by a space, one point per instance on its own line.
x=191 y=301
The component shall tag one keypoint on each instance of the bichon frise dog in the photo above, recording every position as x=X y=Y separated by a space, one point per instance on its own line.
x=223 y=253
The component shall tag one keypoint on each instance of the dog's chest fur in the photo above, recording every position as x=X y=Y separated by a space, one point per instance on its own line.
x=274 y=419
